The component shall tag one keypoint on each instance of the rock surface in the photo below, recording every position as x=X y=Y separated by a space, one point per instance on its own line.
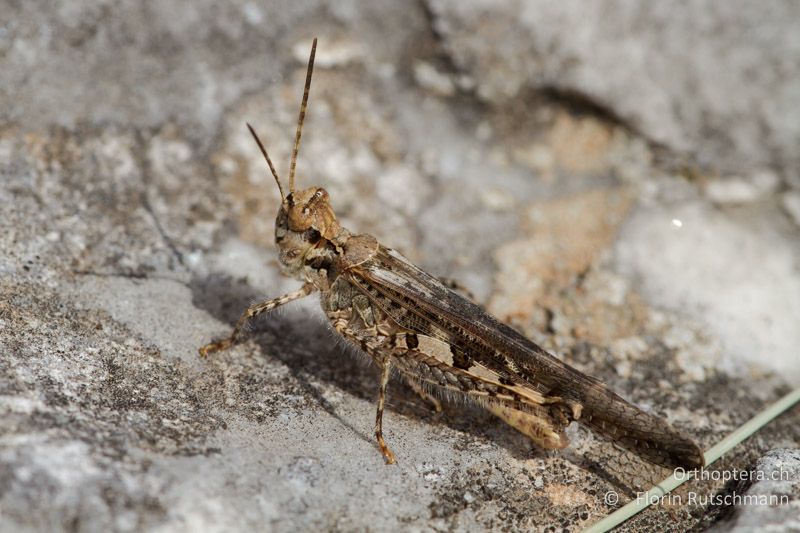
x=719 y=81
x=772 y=501
x=136 y=224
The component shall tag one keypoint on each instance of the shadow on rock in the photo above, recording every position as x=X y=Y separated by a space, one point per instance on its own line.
x=315 y=356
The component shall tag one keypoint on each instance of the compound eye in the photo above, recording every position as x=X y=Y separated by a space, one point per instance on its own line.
x=312 y=236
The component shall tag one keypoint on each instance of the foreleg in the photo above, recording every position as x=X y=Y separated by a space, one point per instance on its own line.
x=252 y=311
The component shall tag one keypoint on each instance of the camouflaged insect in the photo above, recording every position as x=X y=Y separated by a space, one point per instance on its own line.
x=441 y=343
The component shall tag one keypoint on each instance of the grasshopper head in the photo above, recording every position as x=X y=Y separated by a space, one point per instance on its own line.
x=304 y=226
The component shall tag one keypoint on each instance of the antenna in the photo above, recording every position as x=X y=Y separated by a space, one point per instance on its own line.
x=269 y=161
x=302 y=115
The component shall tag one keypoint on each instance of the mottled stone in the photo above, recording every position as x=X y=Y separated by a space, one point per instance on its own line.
x=136 y=223
x=719 y=81
x=770 y=502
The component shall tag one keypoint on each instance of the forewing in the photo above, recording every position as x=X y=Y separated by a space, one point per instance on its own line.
x=421 y=303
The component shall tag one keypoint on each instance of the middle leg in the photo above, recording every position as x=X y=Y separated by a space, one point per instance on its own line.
x=387 y=453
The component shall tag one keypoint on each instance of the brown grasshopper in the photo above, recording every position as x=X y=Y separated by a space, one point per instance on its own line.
x=439 y=342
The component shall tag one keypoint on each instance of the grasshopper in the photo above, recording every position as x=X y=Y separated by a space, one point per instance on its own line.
x=442 y=344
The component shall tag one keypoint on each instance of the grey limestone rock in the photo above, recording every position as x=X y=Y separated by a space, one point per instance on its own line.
x=136 y=222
